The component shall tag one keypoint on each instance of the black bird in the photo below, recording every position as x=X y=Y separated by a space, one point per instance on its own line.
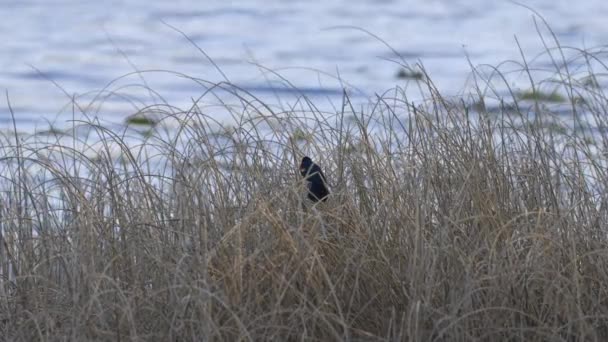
x=317 y=185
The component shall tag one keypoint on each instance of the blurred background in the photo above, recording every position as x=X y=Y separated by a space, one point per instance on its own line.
x=53 y=50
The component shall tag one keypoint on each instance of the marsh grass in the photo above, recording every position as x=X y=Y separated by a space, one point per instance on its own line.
x=445 y=224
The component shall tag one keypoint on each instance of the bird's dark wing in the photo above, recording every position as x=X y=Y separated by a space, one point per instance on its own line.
x=318 y=185
x=315 y=174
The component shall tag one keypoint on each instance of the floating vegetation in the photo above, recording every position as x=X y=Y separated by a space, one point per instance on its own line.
x=410 y=74
x=225 y=131
x=300 y=135
x=537 y=95
x=590 y=82
x=141 y=120
x=52 y=130
x=479 y=106
x=579 y=100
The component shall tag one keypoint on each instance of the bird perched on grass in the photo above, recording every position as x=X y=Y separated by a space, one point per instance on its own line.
x=317 y=185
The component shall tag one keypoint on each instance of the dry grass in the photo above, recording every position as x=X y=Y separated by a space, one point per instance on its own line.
x=445 y=225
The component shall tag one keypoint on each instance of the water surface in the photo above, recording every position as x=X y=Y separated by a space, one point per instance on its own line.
x=56 y=49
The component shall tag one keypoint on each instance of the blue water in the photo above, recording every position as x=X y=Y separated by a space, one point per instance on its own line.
x=53 y=50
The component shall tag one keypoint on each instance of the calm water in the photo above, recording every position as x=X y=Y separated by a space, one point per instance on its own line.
x=84 y=45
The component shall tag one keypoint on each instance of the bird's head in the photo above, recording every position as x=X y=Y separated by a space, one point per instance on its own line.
x=305 y=165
